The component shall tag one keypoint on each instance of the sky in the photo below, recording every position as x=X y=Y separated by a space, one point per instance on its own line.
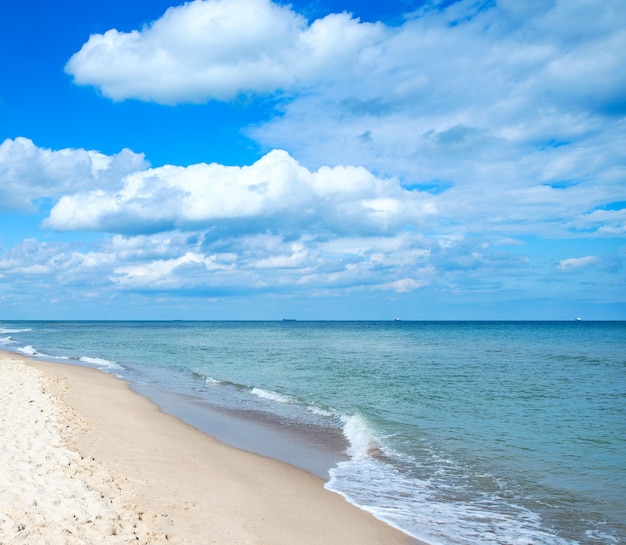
x=318 y=159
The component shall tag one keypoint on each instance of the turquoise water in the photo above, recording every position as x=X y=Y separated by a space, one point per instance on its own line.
x=456 y=432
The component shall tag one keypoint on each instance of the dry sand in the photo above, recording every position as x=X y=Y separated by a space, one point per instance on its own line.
x=84 y=459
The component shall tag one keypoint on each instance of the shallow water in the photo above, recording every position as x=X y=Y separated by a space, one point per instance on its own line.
x=456 y=432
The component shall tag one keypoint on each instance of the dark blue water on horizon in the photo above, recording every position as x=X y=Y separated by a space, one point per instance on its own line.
x=454 y=432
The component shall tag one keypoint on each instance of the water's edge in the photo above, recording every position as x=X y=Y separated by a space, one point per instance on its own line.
x=311 y=450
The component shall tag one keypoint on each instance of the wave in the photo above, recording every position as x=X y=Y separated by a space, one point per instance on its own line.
x=4 y=330
x=362 y=439
x=430 y=511
x=327 y=414
x=211 y=381
x=101 y=363
x=321 y=411
x=28 y=350
x=254 y=390
x=272 y=396
x=426 y=505
x=31 y=351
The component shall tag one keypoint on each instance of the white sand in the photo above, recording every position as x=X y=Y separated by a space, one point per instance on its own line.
x=83 y=459
x=51 y=494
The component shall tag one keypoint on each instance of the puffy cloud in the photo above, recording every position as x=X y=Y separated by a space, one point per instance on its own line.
x=276 y=193
x=89 y=191
x=508 y=114
x=475 y=132
x=29 y=173
x=218 y=49
x=495 y=104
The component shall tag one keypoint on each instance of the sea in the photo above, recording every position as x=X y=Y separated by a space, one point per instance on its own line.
x=464 y=433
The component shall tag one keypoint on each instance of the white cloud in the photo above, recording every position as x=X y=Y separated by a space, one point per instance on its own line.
x=574 y=263
x=404 y=285
x=510 y=115
x=275 y=193
x=296 y=255
x=53 y=264
x=218 y=49
x=476 y=137
x=160 y=273
x=504 y=107
x=210 y=263
x=28 y=172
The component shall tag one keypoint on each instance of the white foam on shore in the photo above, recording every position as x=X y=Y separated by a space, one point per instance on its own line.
x=427 y=508
x=431 y=511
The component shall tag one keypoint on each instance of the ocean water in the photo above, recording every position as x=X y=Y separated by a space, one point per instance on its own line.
x=454 y=432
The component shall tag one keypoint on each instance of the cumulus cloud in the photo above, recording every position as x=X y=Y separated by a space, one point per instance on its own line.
x=218 y=49
x=275 y=225
x=514 y=112
x=29 y=173
x=485 y=102
x=276 y=193
x=473 y=133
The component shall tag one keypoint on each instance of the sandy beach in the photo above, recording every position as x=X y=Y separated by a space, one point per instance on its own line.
x=84 y=459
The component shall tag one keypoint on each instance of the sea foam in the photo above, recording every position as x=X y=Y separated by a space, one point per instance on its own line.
x=101 y=363
x=28 y=350
x=361 y=437
x=4 y=330
x=272 y=396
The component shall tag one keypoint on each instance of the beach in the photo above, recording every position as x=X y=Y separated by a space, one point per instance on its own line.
x=84 y=459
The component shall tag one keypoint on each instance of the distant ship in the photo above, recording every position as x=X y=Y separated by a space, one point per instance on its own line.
x=289 y=319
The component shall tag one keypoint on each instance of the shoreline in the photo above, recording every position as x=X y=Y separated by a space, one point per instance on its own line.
x=162 y=478
x=259 y=434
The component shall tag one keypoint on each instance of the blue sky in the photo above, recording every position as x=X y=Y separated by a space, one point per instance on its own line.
x=248 y=159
